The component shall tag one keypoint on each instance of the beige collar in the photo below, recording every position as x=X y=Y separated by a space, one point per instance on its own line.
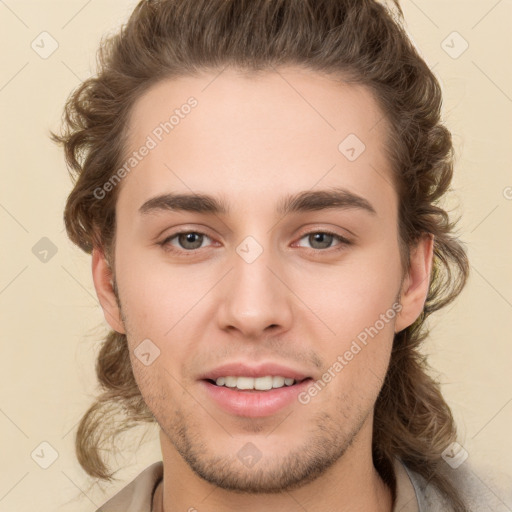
x=406 y=500
x=157 y=498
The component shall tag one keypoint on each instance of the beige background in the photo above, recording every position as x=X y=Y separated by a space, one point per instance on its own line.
x=51 y=321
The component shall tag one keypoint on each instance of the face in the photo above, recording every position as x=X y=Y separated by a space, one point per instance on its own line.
x=256 y=242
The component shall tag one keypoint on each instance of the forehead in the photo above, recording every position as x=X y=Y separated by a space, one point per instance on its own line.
x=246 y=134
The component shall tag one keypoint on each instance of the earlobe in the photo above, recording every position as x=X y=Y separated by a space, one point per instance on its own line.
x=103 y=283
x=416 y=283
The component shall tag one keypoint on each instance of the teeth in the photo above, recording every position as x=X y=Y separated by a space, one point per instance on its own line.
x=278 y=382
x=245 y=383
x=258 y=383
x=263 y=383
x=230 y=382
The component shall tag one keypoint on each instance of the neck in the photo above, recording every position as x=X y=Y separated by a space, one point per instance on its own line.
x=351 y=483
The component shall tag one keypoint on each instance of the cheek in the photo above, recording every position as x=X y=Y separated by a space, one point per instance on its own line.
x=359 y=305
x=355 y=294
x=156 y=296
x=356 y=361
x=162 y=304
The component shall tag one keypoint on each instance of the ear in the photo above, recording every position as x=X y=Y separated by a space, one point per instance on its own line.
x=415 y=285
x=102 y=277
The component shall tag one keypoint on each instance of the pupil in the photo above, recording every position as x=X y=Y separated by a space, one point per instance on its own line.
x=189 y=238
x=320 y=238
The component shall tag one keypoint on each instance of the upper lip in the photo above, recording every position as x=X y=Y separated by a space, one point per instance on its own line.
x=239 y=369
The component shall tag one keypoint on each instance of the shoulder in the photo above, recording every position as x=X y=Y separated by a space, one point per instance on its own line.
x=136 y=496
x=482 y=489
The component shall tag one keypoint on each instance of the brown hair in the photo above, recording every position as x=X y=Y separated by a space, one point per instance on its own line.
x=360 y=40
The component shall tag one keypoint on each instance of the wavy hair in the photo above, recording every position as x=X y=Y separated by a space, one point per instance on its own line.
x=364 y=42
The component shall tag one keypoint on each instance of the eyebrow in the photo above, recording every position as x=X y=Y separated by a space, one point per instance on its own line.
x=335 y=198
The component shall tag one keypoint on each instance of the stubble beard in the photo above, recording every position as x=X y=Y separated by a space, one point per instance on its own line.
x=326 y=444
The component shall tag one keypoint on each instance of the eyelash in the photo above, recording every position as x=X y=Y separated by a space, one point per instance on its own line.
x=165 y=244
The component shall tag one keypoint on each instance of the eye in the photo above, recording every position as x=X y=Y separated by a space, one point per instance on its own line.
x=186 y=240
x=319 y=240
x=190 y=241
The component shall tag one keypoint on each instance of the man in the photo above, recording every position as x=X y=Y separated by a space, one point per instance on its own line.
x=257 y=183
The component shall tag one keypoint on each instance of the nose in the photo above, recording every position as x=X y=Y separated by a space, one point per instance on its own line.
x=254 y=300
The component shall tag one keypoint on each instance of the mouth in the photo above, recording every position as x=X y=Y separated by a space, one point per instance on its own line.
x=250 y=397
x=249 y=390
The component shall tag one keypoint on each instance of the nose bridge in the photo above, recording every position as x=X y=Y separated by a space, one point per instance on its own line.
x=254 y=299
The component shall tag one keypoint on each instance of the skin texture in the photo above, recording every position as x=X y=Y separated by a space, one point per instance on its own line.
x=250 y=141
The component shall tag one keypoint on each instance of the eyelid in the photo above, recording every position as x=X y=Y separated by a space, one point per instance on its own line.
x=344 y=235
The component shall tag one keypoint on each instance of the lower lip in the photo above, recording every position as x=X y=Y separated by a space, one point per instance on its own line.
x=253 y=403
